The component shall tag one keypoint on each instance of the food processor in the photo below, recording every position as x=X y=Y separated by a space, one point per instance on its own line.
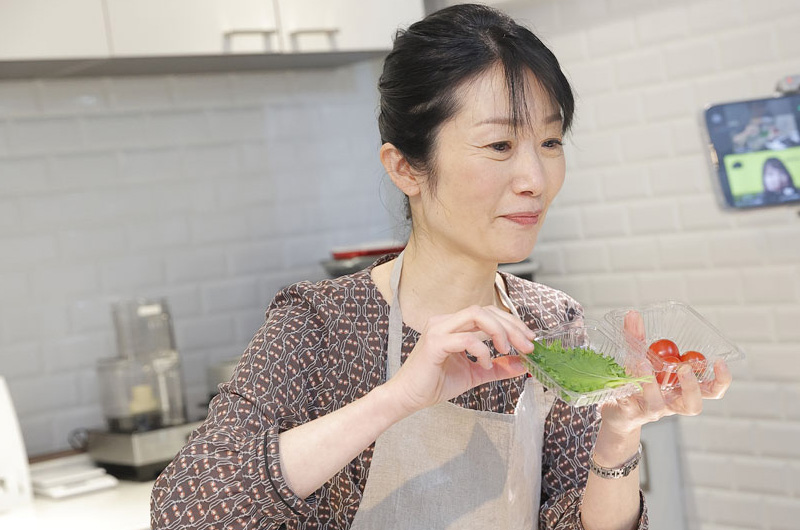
x=142 y=394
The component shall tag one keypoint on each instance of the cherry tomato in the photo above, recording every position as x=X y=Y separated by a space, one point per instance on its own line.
x=664 y=347
x=668 y=378
x=696 y=359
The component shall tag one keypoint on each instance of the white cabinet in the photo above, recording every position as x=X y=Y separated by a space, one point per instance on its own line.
x=343 y=25
x=191 y=27
x=212 y=27
x=52 y=29
x=221 y=35
x=374 y=28
x=249 y=26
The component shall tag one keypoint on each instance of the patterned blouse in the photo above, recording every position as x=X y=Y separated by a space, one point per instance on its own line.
x=324 y=345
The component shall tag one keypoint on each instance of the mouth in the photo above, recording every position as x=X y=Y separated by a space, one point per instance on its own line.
x=524 y=218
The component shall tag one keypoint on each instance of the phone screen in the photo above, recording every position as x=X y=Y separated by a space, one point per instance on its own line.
x=757 y=147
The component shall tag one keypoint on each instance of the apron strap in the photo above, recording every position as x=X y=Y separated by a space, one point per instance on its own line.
x=395 y=346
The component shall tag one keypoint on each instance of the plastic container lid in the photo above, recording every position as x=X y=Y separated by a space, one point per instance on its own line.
x=685 y=327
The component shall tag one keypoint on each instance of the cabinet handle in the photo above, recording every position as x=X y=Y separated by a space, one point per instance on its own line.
x=298 y=31
x=330 y=32
x=229 y=34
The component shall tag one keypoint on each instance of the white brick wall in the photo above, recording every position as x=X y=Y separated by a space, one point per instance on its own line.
x=213 y=190
x=643 y=71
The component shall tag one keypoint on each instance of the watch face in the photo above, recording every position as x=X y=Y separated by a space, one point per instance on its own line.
x=616 y=472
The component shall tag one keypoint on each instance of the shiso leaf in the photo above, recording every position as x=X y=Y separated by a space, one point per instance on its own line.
x=582 y=369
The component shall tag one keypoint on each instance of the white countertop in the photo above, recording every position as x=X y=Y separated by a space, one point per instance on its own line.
x=123 y=507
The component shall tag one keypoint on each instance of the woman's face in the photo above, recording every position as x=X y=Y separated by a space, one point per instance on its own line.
x=775 y=179
x=493 y=184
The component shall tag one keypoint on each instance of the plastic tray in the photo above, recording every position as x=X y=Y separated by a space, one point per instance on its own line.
x=687 y=329
x=594 y=335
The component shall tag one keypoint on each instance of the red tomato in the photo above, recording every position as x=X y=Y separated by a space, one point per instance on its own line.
x=664 y=347
x=668 y=378
x=696 y=359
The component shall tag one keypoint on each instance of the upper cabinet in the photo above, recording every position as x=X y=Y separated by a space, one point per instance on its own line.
x=46 y=38
x=192 y=27
x=343 y=25
x=52 y=29
x=211 y=27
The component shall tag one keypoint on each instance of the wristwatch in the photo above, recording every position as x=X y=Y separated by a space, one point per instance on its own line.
x=616 y=472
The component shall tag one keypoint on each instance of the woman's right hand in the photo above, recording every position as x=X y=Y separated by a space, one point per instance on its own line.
x=437 y=369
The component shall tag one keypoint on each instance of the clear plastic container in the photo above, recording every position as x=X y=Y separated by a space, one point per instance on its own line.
x=687 y=329
x=664 y=320
x=128 y=396
x=143 y=327
x=602 y=340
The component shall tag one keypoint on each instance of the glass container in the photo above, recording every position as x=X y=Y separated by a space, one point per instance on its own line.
x=128 y=396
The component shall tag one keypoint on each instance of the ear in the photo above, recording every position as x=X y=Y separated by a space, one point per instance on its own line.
x=400 y=171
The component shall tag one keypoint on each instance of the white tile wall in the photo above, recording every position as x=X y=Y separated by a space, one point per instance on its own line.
x=643 y=71
x=213 y=190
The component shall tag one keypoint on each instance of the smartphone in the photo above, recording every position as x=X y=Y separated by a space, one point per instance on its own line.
x=755 y=151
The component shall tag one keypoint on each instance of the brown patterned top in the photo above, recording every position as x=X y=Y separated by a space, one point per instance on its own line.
x=324 y=345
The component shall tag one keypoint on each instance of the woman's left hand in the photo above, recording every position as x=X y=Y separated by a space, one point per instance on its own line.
x=628 y=414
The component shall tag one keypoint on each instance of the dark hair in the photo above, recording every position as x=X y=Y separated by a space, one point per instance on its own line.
x=771 y=195
x=435 y=56
x=776 y=163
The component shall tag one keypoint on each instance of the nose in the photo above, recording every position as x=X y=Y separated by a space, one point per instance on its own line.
x=529 y=173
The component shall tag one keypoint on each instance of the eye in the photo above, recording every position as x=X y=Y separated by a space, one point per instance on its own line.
x=552 y=143
x=501 y=147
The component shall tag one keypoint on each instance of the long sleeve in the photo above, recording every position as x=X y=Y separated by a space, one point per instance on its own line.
x=569 y=438
x=228 y=476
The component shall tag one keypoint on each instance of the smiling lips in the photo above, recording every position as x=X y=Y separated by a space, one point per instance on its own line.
x=524 y=218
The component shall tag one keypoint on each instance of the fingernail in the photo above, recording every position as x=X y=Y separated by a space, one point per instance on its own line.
x=684 y=370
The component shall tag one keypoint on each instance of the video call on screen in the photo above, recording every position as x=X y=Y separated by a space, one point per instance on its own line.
x=757 y=145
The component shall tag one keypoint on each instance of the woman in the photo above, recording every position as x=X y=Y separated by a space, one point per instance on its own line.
x=339 y=414
x=778 y=184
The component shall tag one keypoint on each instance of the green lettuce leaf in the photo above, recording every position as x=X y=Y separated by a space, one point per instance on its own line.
x=581 y=369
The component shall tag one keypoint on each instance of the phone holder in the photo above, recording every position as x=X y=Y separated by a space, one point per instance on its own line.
x=788 y=85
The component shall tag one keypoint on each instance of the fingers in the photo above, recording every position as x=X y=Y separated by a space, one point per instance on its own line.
x=716 y=388
x=691 y=403
x=504 y=332
x=655 y=405
x=638 y=365
x=633 y=324
x=471 y=344
x=504 y=367
x=520 y=335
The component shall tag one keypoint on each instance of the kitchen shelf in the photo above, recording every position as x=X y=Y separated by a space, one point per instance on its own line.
x=127 y=66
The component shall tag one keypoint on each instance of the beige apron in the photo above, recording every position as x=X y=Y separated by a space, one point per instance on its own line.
x=448 y=467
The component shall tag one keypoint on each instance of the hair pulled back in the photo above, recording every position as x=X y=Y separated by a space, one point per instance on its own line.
x=435 y=56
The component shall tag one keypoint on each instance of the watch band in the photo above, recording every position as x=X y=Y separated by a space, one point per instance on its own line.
x=616 y=472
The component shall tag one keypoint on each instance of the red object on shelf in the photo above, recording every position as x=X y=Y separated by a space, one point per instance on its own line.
x=366 y=250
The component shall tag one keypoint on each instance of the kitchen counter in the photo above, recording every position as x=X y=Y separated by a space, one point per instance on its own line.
x=123 y=507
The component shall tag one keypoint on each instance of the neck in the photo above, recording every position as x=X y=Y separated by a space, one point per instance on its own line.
x=437 y=282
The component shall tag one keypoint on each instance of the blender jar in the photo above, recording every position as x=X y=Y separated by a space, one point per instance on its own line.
x=143 y=327
x=145 y=335
x=128 y=396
